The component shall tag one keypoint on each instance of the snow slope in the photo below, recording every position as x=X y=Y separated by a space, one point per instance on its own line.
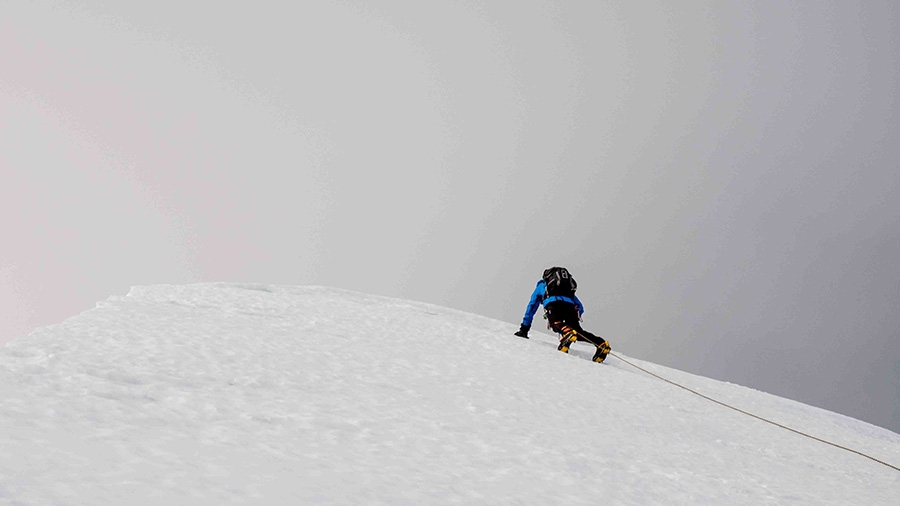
x=220 y=393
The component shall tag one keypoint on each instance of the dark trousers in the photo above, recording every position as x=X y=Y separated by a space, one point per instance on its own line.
x=562 y=314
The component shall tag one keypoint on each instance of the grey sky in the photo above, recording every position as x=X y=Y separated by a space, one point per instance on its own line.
x=720 y=177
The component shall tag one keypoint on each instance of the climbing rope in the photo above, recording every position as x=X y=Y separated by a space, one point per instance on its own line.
x=755 y=416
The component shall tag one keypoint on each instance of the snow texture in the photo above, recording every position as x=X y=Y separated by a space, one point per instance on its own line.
x=223 y=393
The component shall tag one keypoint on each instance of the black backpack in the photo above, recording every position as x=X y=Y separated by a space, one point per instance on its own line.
x=559 y=282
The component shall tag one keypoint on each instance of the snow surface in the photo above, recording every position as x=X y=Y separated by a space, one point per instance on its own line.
x=223 y=393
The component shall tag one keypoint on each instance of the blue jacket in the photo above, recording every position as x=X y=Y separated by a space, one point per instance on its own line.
x=539 y=296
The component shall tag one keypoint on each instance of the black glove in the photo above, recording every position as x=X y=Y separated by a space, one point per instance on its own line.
x=523 y=331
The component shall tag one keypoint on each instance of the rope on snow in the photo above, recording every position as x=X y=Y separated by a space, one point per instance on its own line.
x=785 y=427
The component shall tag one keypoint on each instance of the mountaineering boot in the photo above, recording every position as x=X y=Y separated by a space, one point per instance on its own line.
x=602 y=351
x=569 y=337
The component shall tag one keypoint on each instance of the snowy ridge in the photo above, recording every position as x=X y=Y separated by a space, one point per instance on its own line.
x=226 y=393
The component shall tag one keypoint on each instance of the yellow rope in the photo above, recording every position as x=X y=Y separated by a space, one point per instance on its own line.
x=755 y=416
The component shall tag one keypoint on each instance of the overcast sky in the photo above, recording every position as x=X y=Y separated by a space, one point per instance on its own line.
x=721 y=178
